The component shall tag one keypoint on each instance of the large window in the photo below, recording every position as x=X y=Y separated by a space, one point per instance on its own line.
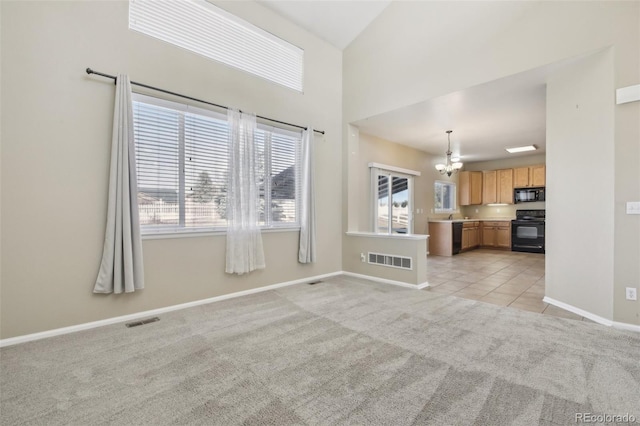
x=182 y=169
x=445 y=197
x=392 y=194
x=202 y=28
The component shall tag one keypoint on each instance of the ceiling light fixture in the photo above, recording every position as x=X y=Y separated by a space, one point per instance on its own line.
x=451 y=167
x=521 y=149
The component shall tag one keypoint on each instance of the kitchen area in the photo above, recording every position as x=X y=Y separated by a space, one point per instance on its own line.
x=512 y=218
x=492 y=248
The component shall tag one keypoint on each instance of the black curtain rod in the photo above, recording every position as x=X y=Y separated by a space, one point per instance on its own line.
x=114 y=78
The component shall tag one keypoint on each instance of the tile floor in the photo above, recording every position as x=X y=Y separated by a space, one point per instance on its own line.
x=504 y=278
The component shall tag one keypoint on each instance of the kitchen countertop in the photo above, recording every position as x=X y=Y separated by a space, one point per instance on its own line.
x=484 y=219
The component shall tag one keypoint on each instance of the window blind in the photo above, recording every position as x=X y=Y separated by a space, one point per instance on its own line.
x=203 y=28
x=183 y=166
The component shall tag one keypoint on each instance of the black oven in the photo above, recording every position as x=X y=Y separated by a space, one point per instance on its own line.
x=527 y=231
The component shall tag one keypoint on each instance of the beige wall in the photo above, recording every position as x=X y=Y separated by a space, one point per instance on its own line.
x=427 y=49
x=416 y=249
x=580 y=243
x=376 y=150
x=56 y=129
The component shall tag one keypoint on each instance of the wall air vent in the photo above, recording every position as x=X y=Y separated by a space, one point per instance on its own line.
x=390 y=260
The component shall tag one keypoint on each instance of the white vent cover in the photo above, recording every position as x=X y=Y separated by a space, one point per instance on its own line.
x=390 y=260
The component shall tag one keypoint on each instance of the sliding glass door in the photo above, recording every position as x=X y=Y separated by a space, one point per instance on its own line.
x=393 y=202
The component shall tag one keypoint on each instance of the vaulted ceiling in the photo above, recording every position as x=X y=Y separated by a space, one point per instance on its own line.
x=485 y=119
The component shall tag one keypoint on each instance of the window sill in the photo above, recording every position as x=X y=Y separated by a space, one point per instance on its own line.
x=394 y=236
x=195 y=234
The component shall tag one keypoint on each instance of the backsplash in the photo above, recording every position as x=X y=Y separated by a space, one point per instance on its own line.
x=507 y=212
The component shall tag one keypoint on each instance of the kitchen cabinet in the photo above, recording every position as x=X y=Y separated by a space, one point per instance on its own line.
x=505 y=186
x=496 y=234
x=489 y=187
x=470 y=184
x=497 y=186
x=538 y=175
x=525 y=177
x=470 y=235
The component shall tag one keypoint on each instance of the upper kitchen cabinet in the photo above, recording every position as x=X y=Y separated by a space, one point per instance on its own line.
x=489 y=187
x=497 y=186
x=470 y=184
x=505 y=186
x=529 y=176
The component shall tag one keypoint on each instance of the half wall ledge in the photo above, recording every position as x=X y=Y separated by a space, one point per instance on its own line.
x=363 y=251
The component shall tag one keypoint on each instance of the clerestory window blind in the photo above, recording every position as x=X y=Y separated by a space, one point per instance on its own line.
x=203 y=28
x=182 y=168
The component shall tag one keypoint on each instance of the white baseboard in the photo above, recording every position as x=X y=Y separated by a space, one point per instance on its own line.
x=86 y=326
x=625 y=326
x=592 y=317
x=386 y=281
x=578 y=311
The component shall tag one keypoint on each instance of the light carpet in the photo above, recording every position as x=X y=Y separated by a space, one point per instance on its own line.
x=344 y=351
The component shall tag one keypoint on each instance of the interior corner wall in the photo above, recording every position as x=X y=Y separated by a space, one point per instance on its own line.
x=56 y=136
x=376 y=150
x=580 y=141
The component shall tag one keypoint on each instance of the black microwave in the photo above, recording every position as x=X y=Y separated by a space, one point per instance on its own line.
x=527 y=195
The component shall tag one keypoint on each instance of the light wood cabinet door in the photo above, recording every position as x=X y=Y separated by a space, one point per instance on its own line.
x=488 y=236
x=466 y=238
x=505 y=186
x=503 y=236
x=470 y=184
x=474 y=237
x=521 y=177
x=538 y=175
x=525 y=177
x=489 y=187
x=496 y=234
x=476 y=188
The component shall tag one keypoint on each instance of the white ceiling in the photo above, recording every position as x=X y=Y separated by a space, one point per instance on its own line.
x=336 y=21
x=485 y=120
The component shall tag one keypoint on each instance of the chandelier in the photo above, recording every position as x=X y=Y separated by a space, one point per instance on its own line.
x=449 y=168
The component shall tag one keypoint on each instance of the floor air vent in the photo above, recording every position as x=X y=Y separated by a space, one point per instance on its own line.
x=142 y=322
x=390 y=260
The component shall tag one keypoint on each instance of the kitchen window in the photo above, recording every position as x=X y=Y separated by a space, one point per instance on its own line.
x=182 y=167
x=445 y=197
x=392 y=195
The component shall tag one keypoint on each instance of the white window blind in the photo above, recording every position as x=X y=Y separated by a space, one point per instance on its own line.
x=203 y=28
x=182 y=169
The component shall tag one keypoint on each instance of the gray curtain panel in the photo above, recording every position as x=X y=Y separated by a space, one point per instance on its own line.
x=307 y=248
x=121 y=269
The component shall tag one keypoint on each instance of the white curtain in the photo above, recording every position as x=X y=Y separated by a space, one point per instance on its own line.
x=307 y=249
x=121 y=269
x=244 y=240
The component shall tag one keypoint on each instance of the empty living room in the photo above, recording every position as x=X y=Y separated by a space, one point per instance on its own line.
x=219 y=212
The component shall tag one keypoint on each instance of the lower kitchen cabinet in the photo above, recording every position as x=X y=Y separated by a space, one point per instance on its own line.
x=496 y=234
x=470 y=235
